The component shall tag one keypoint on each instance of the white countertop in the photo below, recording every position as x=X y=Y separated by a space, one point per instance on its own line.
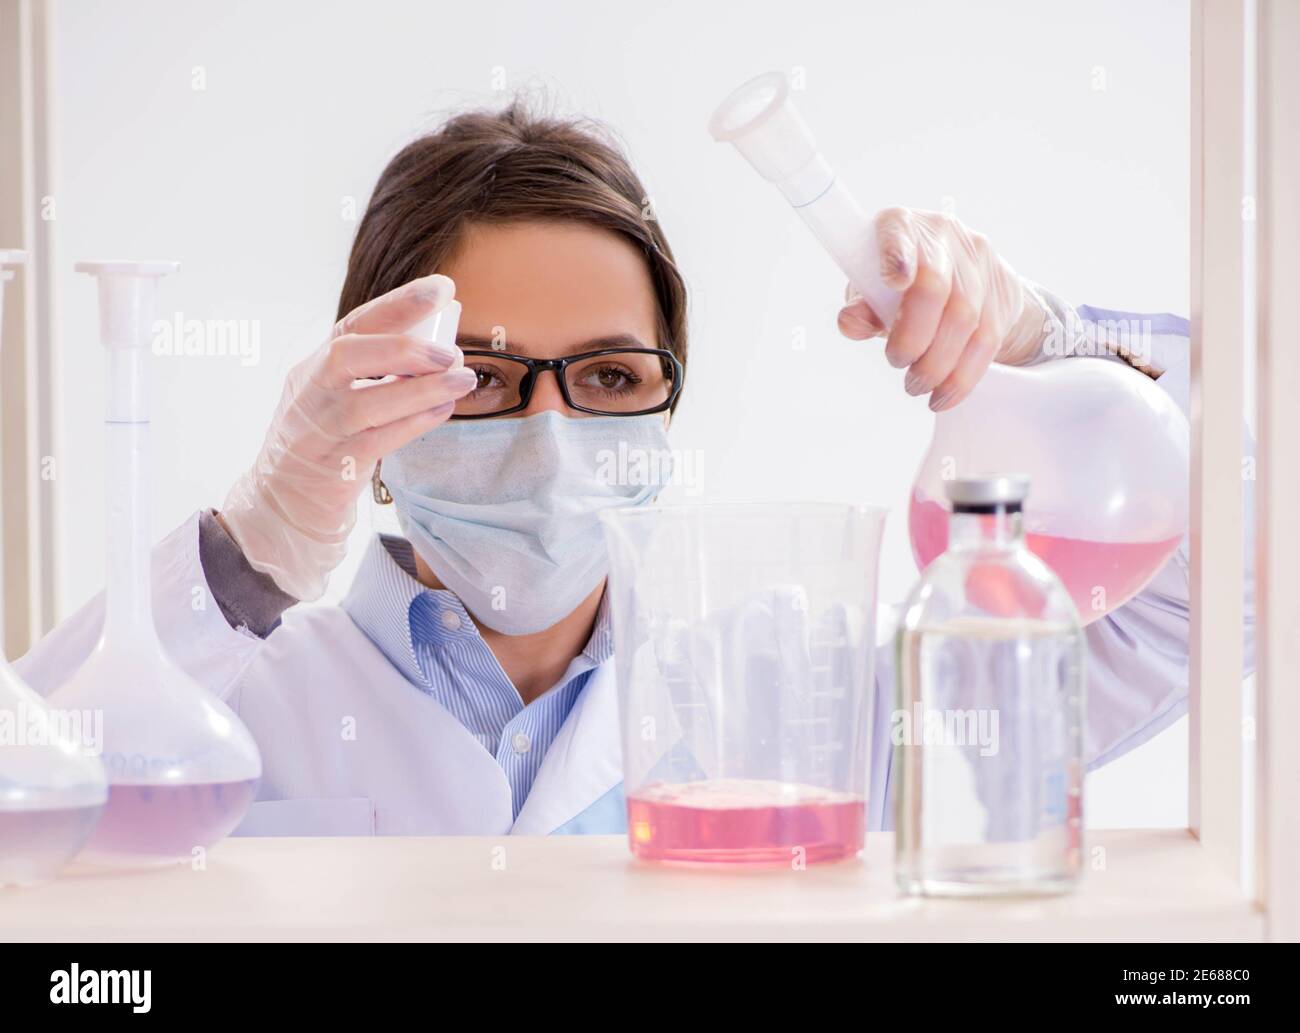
x=1152 y=885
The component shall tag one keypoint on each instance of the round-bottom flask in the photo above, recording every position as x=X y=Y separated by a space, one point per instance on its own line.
x=1107 y=453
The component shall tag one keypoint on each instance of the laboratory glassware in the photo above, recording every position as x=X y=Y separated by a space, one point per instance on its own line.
x=1107 y=450
x=1107 y=453
x=988 y=728
x=744 y=651
x=182 y=768
x=52 y=790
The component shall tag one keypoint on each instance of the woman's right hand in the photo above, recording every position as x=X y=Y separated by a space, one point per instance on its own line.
x=292 y=511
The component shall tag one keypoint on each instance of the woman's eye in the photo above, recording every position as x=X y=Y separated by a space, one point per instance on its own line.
x=486 y=377
x=610 y=378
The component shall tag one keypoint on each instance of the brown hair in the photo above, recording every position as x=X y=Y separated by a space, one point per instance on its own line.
x=506 y=166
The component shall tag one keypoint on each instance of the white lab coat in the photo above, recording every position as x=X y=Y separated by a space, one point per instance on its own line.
x=350 y=747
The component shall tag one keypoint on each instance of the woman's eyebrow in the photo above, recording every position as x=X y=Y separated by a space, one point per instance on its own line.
x=621 y=340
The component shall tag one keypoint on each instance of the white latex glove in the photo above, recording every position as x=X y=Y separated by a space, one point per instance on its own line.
x=292 y=511
x=963 y=306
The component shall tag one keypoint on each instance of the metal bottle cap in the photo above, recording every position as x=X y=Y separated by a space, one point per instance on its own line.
x=988 y=490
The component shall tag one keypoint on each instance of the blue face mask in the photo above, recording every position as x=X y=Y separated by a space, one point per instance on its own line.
x=504 y=511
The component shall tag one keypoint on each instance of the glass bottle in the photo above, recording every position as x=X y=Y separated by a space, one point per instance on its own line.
x=987 y=734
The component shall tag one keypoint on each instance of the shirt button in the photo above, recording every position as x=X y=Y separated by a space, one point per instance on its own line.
x=521 y=742
x=451 y=620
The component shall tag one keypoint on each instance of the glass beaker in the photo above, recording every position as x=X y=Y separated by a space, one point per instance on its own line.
x=52 y=790
x=1107 y=453
x=988 y=729
x=182 y=768
x=744 y=650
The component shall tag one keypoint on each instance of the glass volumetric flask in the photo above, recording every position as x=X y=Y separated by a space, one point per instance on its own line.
x=52 y=790
x=744 y=651
x=987 y=732
x=182 y=768
x=1107 y=451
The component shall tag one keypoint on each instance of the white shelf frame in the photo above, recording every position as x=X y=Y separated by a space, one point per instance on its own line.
x=27 y=601
x=1218 y=375
x=1278 y=487
x=1218 y=207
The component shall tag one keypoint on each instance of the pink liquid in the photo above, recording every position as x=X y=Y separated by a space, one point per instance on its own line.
x=34 y=845
x=152 y=824
x=733 y=821
x=1119 y=569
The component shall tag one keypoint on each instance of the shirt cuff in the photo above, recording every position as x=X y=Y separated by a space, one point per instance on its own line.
x=1066 y=333
x=247 y=598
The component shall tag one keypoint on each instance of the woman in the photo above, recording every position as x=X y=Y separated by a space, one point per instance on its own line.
x=464 y=684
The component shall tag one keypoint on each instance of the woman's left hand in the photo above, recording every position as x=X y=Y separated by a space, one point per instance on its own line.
x=963 y=306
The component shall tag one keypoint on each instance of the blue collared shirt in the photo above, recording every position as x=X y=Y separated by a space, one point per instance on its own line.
x=428 y=635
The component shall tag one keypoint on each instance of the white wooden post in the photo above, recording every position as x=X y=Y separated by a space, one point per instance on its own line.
x=26 y=427
x=1278 y=499
x=1215 y=767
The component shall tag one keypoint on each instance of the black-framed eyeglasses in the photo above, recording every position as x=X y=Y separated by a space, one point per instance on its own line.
x=608 y=382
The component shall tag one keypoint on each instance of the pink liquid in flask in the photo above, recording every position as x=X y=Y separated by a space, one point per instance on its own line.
x=156 y=823
x=1118 y=569
x=743 y=821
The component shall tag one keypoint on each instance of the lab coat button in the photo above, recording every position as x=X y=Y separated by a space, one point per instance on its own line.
x=521 y=742
x=451 y=620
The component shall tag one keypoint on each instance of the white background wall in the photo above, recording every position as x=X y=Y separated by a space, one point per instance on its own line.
x=1059 y=129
